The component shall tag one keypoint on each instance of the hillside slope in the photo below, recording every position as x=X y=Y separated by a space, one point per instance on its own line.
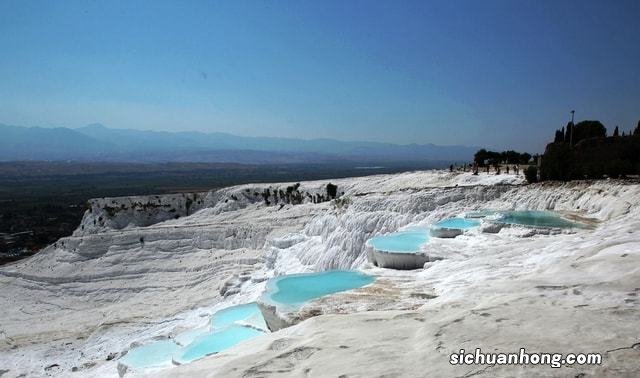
x=99 y=143
x=80 y=303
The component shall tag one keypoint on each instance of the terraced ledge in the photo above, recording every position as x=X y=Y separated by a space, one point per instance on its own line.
x=443 y=232
x=275 y=319
x=386 y=293
x=401 y=250
x=397 y=260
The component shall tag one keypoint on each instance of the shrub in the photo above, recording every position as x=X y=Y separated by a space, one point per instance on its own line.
x=332 y=190
x=559 y=163
x=188 y=204
x=531 y=174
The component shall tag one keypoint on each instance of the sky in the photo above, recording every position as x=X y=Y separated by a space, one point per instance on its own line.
x=496 y=74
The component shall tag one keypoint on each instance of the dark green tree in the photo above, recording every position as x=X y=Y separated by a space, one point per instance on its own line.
x=493 y=158
x=559 y=138
x=332 y=190
x=616 y=132
x=588 y=129
x=480 y=157
x=558 y=163
x=567 y=135
x=531 y=174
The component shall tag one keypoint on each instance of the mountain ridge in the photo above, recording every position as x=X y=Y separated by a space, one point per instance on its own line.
x=96 y=142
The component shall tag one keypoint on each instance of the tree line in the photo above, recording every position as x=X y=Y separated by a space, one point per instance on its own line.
x=492 y=158
x=585 y=151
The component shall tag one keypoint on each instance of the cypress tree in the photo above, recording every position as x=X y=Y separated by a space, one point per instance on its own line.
x=559 y=137
x=567 y=134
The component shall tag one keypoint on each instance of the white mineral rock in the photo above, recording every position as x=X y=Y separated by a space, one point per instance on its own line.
x=137 y=275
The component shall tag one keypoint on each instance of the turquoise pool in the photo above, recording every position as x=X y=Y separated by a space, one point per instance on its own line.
x=536 y=218
x=229 y=326
x=216 y=342
x=157 y=354
x=246 y=313
x=400 y=242
x=458 y=223
x=297 y=289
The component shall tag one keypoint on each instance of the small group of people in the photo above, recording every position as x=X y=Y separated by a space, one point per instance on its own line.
x=475 y=168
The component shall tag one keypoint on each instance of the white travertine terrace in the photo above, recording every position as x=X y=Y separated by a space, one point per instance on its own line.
x=80 y=303
x=397 y=260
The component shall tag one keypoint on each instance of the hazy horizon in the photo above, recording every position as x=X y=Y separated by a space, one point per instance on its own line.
x=497 y=74
x=209 y=132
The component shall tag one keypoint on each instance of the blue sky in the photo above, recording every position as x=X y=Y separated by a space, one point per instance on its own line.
x=500 y=74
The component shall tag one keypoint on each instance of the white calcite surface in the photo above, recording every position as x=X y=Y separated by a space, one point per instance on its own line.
x=78 y=304
x=444 y=232
x=119 y=212
x=397 y=260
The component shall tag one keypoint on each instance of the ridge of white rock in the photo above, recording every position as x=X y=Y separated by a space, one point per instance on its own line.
x=80 y=303
x=137 y=211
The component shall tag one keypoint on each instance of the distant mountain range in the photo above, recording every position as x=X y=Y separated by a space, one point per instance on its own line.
x=98 y=143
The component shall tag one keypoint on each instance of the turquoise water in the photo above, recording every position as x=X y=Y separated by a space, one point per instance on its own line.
x=153 y=355
x=536 y=219
x=199 y=342
x=216 y=342
x=248 y=313
x=402 y=242
x=296 y=289
x=187 y=337
x=458 y=223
